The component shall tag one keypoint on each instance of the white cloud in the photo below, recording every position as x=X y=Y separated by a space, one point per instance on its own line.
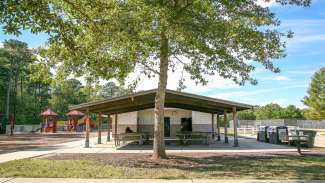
x=305 y=31
x=276 y=78
x=245 y=94
x=302 y=71
x=265 y=3
x=307 y=38
x=251 y=94
x=1 y=44
x=281 y=78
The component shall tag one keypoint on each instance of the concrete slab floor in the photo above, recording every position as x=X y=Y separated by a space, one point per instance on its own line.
x=245 y=145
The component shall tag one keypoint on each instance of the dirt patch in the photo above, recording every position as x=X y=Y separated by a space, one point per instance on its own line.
x=180 y=160
x=20 y=142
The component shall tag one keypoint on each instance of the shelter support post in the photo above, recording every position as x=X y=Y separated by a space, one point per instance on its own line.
x=115 y=130
x=212 y=125
x=108 y=128
x=234 y=119
x=226 y=126
x=87 y=130
x=99 y=141
x=218 y=127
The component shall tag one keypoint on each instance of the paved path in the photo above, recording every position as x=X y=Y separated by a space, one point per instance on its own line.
x=42 y=150
x=246 y=145
x=61 y=180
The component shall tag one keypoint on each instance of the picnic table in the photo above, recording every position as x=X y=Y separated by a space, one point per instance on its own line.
x=298 y=139
x=127 y=137
x=186 y=137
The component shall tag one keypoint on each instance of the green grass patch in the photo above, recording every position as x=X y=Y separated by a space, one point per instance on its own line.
x=311 y=167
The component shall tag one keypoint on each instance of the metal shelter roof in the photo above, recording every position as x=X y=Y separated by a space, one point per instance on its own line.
x=174 y=99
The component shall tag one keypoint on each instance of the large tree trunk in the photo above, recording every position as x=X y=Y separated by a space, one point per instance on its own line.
x=8 y=96
x=159 y=143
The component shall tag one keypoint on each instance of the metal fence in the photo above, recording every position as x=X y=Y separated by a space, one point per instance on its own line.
x=314 y=124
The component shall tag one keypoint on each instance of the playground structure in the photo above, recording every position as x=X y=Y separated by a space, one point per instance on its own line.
x=50 y=121
x=73 y=117
x=82 y=123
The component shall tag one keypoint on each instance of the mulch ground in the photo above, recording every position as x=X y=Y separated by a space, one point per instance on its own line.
x=20 y=142
x=177 y=160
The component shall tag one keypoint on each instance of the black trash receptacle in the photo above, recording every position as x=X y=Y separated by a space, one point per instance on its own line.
x=278 y=134
x=272 y=134
x=282 y=134
x=262 y=134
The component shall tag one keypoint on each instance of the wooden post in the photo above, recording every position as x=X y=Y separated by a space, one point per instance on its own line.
x=212 y=130
x=99 y=141
x=87 y=130
x=234 y=119
x=226 y=126
x=115 y=130
x=218 y=127
x=108 y=128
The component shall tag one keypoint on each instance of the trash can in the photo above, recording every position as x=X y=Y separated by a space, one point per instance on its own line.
x=262 y=134
x=282 y=134
x=311 y=137
x=273 y=138
x=278 y=134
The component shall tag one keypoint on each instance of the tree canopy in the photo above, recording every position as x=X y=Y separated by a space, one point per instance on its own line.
x=275 y=111
x=110 y=37
x=33 y=88
x=315 y=100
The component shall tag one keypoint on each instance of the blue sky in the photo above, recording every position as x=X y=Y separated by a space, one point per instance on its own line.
x=305 y=55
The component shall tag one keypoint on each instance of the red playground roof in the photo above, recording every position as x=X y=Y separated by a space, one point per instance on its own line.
x=75 y=113
x=49 y=112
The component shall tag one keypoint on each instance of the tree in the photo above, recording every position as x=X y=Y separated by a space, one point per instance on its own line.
x=110 y=90
x=316 y=97
x=65 y=93
x=246 y=115
x=275 y=111
x=111 y=38
x=38 y=88
x=15 y=56
x=291 y=112
x=269 y=111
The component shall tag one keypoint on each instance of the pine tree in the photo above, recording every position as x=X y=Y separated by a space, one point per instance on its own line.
x=316 y=97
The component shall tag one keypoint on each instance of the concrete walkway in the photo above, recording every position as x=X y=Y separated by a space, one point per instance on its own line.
x=42 y=150
x=245 y=145
x=61 y=180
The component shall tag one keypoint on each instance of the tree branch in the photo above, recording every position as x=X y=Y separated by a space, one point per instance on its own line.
x=149 y=68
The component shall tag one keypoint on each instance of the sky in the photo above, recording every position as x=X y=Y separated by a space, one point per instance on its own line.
x=305 y=55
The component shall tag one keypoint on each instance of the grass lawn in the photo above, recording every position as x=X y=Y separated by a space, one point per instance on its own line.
x=179 y=166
